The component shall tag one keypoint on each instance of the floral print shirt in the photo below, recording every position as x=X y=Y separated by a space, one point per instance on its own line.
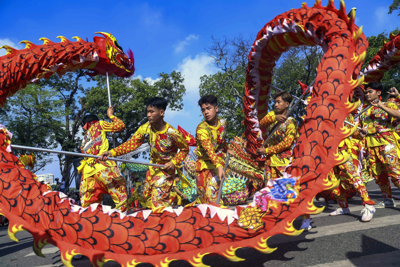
x=165 y=146
x=211 y=145
x=95 y=142
x=279 y=147
x=379 y=125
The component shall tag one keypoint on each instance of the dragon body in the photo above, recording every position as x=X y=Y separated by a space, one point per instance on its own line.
x=18 y=68
x=192 y=232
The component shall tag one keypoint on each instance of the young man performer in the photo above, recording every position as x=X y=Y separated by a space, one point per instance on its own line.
x=102 y=177
x=381 y=141
x=348 y=174
x=211 y=147
x=164 y=143
x=279 y=146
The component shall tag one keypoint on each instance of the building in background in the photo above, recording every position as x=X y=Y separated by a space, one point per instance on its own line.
x=47 y=178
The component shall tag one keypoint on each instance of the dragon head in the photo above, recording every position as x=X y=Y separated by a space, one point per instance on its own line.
x=112 y=58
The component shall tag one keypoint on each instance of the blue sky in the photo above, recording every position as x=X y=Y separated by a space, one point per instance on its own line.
x=164 y=35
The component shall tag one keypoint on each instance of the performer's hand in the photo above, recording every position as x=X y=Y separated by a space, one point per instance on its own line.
x=393 y=92
x=261 y=151
x=281 y=118
x=105 y=155
x=168 y=166
x=110 y=111
x=220 y=174
x=376 y=103
x=184 y=196
x=363 y=132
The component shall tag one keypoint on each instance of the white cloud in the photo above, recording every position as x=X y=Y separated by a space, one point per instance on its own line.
x=179 y=48
x=8 y=42
x=174 y=114
x=150 y=80
x=193 y=68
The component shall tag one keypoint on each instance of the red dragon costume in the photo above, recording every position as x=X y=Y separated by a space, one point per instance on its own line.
x=190 y=233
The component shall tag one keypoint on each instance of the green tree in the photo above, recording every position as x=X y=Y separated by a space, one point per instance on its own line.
x=392 y=77
x=394 y=6
x=130 y=97
x=27 y=115
x=66 y=129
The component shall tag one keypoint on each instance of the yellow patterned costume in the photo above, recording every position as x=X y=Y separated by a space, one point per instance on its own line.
x=383 y=147
x=279 y=147
x=164 y=146
x=211 y=149
x=99 y=177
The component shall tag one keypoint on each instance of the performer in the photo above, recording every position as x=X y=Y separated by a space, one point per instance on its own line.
x=164 y=141
x=279 y=146
x=102 y=177
x=381 y=141
x=349 y=176
x=211 y=147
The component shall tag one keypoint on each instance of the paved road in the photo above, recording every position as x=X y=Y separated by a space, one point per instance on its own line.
x=334 y=241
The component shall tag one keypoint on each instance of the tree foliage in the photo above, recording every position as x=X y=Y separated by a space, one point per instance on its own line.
x=392 y=77
x=394 y=6
x=28 y=116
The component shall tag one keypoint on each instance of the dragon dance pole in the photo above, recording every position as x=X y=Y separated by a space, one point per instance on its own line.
x=109 y=102
x=83 y=155
x=223 y=177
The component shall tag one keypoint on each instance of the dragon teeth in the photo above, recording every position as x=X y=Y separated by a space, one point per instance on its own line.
x=146 y=214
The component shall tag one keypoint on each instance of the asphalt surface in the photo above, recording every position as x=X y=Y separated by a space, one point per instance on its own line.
x=334 y=241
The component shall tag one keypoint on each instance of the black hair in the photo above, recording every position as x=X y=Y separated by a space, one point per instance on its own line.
x=208 y=99
x=374 y=85
x=89 y=118
x=157 y=102
x=285 y=96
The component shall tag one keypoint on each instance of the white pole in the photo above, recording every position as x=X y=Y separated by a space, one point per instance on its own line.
x=83 y=155
x=108 y=90
x=109 y=102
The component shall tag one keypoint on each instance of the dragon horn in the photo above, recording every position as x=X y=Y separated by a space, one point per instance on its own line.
x=28 y=44
x=331 y=5
x=78 y=39
x=46 y=40
x=10 y=50
x=63 y=39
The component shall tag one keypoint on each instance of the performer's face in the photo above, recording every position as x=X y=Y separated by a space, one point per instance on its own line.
x=280 y=105
x=372 y=94
x=209 y=111
x=154 y=114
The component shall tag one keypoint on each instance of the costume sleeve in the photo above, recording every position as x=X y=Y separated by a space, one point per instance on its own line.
x=392 y=105
x=180 y=143
x=290 y=135
x=268 y=119
x=136 y=141
x=115 y=126
x=205 y=141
